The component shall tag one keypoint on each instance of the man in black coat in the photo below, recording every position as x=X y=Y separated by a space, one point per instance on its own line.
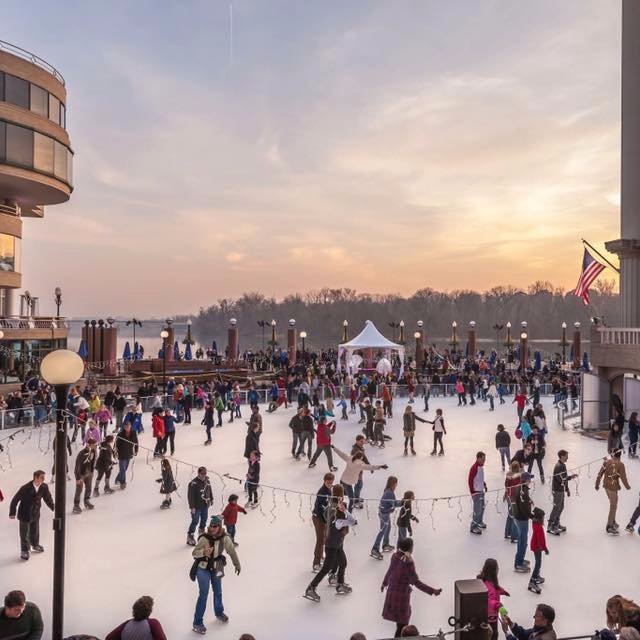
x=200 y=498
x=27 y=502
x=83 y=471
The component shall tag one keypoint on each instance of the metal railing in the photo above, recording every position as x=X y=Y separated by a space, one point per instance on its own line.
x=621 y=336
x=10 y=210
x=30 y=322
x=567 y=408
x=33 y=58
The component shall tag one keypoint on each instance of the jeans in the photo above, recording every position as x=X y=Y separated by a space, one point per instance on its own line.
x=478 y=510
x=385 y=530
x=556 y=512
x=505 y=456
x=123 y=465
x=29 y=534
x=305 y=437
x=491 y=403
x=426 y=402
x=320 y=528
x=295 y=442
x=357 y=489
x=170 y=438
x=437 y=440
x=231 y=530
x=348 y=490
x=633 y=441
x=328 y=452
x=510 y=529
x=204 y=578
x=537 y=565
x=523 y=534
x=200 y=514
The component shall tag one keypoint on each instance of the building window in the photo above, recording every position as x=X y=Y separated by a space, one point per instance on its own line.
x=7 y=252
x=39 y=101
x=54 y=109
x=60 y=164
x=19 y=146
x=16 y=91
x=63 y=116
x=42 y=153
x=3 y=140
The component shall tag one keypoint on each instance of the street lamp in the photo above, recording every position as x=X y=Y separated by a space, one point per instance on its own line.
x=58 y=299
x=345 y=330
x=303 y=336
x=136 y=323
x=262 y=324
x=273 y=335
x=497 y=328
x=61 y=369
x=563 y=343
x=164 y=334
x=187 y=338
x=454 y=335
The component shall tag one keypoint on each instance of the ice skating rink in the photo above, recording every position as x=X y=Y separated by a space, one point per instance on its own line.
x=127 y=546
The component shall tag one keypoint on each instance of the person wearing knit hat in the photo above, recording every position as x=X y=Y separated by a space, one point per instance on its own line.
x=210 y=561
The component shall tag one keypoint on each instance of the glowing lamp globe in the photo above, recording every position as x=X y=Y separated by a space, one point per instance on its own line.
x=164 y=334
x=62 y=367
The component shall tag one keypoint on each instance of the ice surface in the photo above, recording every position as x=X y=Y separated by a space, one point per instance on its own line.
x=128 y=547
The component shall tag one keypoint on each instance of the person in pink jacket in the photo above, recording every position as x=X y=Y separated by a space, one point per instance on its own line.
x=489 y=575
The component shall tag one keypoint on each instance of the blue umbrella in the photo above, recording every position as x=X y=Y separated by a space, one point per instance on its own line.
x=136 y=352
x=126 y=354
x=187 y=352
x=538 y=361
x=585 y=361
x=214 y=348
x=176 y=350
x=160 y=354
x=83 y=352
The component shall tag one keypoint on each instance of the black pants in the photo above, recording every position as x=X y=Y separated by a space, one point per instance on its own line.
x=635 y=515
x=328 y=453
x=159 y=449
x=170 y=437
x=87 y=482
x=107 y=476
x=29 y=534
x=335 y=561
x=209 y=426
x=538 y=460
x=408 y=440
x=253 y=492
x=399 y=627
x=437 y=440
x=220 y=412
x=187 y=415
x=103 y=429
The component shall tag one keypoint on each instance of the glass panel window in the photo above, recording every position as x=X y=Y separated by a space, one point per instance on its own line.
x=54 y=109
x=39 y=101
x=2 y=86
x=7 y=252
x=69 y=167
x=63 y=116
x=3 y=139
x=60 y=161
x=19 y=146
x=42 y=153
x=17 y=253
x=16 y=90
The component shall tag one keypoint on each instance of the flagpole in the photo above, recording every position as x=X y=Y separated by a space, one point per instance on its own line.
x=596 y=251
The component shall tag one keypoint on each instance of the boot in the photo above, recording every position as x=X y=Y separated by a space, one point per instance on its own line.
x=96 y=493
x=405 y=452
x=88 y=505
x=76 y=508
x=413 y=452
x=191 y=541
x=311 y=594
x=534 y=588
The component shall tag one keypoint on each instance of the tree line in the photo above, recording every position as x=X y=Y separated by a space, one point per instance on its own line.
x=321 y=313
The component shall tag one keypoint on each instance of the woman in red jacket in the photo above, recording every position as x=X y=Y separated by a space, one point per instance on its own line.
x=400 y=577
x=323 y=442
x=157 y=425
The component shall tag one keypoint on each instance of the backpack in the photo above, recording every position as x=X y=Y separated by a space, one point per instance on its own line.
x=518 y=433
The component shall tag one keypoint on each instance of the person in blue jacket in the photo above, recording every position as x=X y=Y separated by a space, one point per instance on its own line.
x=388 y=504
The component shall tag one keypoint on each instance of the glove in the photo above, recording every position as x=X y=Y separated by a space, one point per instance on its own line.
x=237 y=571
x=416 y=520
x=568 y=493
x=546 y=552
x=384 y=466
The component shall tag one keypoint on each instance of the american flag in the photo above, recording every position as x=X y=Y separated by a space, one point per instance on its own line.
x=591 y=269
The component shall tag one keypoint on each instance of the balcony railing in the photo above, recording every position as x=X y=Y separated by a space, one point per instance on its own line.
x=10 y=210
x=619 y=336
x=33 y=58
x=38 y=322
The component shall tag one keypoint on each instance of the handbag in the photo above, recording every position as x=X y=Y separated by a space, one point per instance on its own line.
x=518 y=433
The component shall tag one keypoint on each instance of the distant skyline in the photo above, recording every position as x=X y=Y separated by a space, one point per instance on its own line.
x=382 y=146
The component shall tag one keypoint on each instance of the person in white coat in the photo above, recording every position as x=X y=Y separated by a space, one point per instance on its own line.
x=351 y=473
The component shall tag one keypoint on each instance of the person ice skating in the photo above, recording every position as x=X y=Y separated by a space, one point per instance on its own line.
x=26 y=503
x=503 y=443
x=253 y=479
x=492 y=394
x=252 y=439
x=559 y=488
x=405 y=516
x=319 y=517
x=93 y=433
x=351 y=474
x=167 y=483
x=230 y=516
x=335 y=561
x=538 y=446
x=169 y=431
x=462 y=396
x=126 y=450
x=634 y=519
x=611 y=474
x=208 y=421
x=218 y=405
x=200 y=498
x=69 y=454
x=306 y=434
x=104 y=463
x=520 y=400
x=388 y=504
x=538 y=545
x=83 y=472
x=409 y=428
x=522 y=513
x=543 y=619
x=399 y=581
x=141 y=626
x=477 y=488
x=634 y=429
x=157 y=430
x=295 y=424
x=358 y=446
x=20 y=619
x=439 y=430
x=511 y=481
x=524 y=456
x=369 y=412
x=378 y=425
x=489 y=575
x=103 y=418
x=323 y=442
x=209 y=552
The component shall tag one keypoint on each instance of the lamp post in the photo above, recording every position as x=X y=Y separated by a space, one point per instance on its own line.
x=577 y=345
x=563 y=343
x=273 y=335
x=345 y=331
x=498 y=328
x=58 y=300
x=136 y=323
x=417 y=335
x=303 y=337
x=61 y=369
x=188 y=339
x=164 y=334
x=401 y=334
x=524 y=355
x=262 y=324
x=454 y=335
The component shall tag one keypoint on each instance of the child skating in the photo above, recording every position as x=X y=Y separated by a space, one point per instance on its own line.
x=253 y=480
x=230 y=516
x=167 y=483
x=538 y=545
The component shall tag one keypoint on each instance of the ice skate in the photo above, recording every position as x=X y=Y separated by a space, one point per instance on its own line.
x=88 y=505
x=343 y=589
x=387 y=547
x=191 y=541
x=522 y=568
x=108 y=490
x=413 y=452
x=311 y=594
x=315 y=568
x=24 y=555
x=76 y=508
x=612 y=531
x=332 y=579
x=200 y=628
x=630 y=527
x=376 y=554
x=37 y=548
x=534 y=588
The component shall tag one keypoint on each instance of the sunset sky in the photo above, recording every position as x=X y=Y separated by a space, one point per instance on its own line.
x=383 y=146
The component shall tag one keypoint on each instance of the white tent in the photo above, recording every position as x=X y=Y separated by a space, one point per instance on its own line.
x=371 y=338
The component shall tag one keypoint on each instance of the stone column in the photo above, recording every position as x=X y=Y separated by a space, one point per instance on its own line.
x=170 y=340
x=577 y=346
x=471 y=340
x=233 y=339
x=292 y=341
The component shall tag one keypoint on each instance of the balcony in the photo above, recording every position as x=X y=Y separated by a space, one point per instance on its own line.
x=33 y=328
x=616 y=348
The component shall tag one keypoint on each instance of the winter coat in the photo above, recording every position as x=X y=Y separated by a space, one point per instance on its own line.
x=494 y=594
x=157 y=426
x=536 y=633
x=200 y=494
x=405 y=515
x=253 y=473
x=321 y=503
x=167 y=483
x=27 y=501
x=230 y=513
x=251 y=443
x=521 y=503
x=29 y=625
x=538 y=541
x=354 y=467
x=323 y=434
x=127 y=445
x=613 y=472
x=85 y=463
x=399 y=579
x=207 y=419
x=409 y=423
x=221 y=543
x=388 y=502
x=503 y=439
x=106 y=457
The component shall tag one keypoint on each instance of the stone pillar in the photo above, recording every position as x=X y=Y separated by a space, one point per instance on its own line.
x=419 y=345
x=471 y=341
x=233 y=340
x=9 y=302
x=524 y=350
x=577 y=346
x=170 y=340
x=292 y=341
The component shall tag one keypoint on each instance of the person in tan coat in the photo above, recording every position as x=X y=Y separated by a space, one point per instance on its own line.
x=611 y=475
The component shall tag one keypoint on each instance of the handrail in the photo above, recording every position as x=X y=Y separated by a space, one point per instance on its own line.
x=33 y=58
x=619 y=335
x=11 y=210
